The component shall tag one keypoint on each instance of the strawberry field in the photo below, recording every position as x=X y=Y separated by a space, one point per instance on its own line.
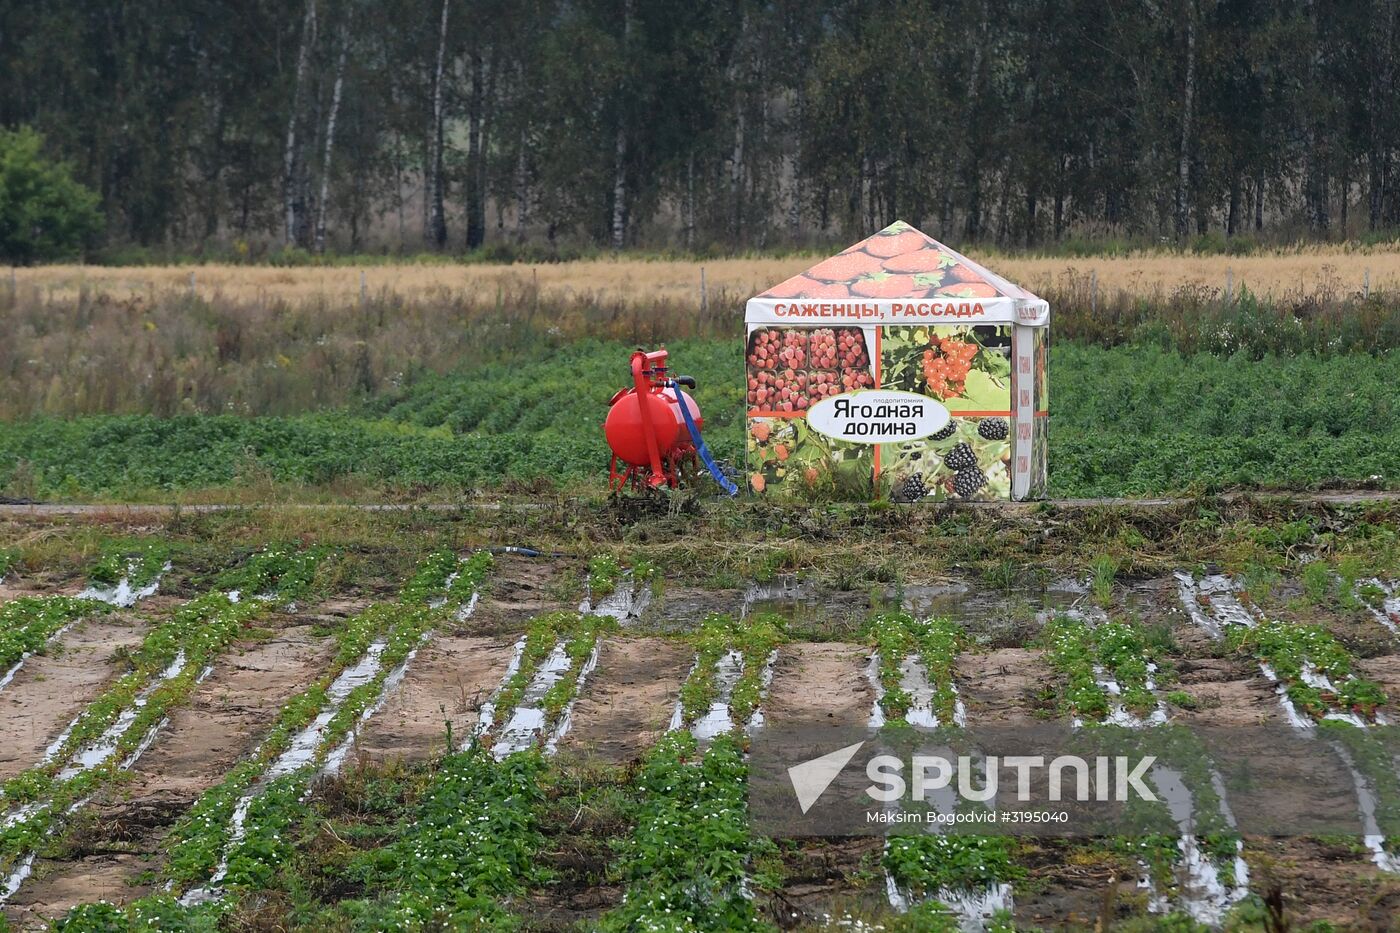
x=287 y=719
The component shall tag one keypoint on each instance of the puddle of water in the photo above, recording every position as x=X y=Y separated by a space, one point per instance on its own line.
x=1216 y=591
x=12 y=882
x=872 y=675
x=913 y=680
x=1388 y=614
x=528 y=718
x=123 y=594
x=1204 y=896
x=1366 y=805
x=786 y=596
x=626 y=603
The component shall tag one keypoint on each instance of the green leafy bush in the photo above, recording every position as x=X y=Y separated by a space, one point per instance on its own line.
x=44 y=213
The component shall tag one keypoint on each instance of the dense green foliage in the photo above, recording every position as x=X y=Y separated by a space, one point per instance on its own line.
x=44 y=213
x=591 y=123
x=1132 y=420
x=685 y=866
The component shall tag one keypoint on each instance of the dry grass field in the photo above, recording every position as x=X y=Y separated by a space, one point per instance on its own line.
x=1306 y=269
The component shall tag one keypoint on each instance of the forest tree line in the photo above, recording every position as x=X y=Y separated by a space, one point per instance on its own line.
x=452 y=124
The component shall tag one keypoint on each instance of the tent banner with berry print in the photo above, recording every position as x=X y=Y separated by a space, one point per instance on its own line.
x=898 y=368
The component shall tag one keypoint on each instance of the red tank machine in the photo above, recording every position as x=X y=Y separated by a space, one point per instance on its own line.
x=654 y=429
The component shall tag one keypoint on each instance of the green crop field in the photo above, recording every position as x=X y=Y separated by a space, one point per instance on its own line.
x=1131 y=420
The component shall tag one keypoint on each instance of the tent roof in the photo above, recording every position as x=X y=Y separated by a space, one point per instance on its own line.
x=898 y=262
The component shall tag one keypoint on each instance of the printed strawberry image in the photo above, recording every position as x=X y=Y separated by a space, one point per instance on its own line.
x=826 y=290
x=967 y=290
x=795 y=287
x=897 y=244
x=925 y=261
x=885 y=285
x=845 y=267
x=961 y=272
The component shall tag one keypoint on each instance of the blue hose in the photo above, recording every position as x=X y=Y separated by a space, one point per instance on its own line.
x=705 y=456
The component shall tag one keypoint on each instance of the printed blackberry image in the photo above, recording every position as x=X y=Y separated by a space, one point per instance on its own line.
x=961 y=457
x=994 y=429
x=912 y=489
x=945 y=432
x=968 y=481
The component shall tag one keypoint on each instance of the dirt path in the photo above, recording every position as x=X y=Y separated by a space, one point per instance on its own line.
x=448 y=680
x=820 y=684
x=117 y=837
x=1002 y=686
x=51 y=689
x=627 y=702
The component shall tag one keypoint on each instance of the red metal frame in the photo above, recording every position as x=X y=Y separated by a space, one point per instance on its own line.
x=650 y=377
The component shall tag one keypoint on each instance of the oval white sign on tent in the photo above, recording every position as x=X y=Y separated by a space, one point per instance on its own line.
x=877 y=416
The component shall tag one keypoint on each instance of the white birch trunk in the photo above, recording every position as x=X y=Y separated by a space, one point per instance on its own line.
x=289 y=181
x=330 y=141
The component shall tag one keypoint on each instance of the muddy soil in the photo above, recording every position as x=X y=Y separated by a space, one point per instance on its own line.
x=117 y=837
x=995 y=618
x=1073 y=884
x=1323 y=880
x=51 y=689
x=826 y=880
x=229 y=712
x=820 y=683
x=627 y=702
x=1004 y=686
x=1384 y=670
x=447 y=681
x=1226 y=692
x=520 y=588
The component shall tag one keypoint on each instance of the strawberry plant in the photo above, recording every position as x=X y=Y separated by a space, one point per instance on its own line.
x=138 y=563
x=27 y=623
x=937 y=642
x=754 y=639
x=603 y=574
x=197 y=842
x=286 y=571
x=469 y=848
x=1298 y=654
x=1071 y=652
x=1122 y=652
x=686 y=864
x=925 y=865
